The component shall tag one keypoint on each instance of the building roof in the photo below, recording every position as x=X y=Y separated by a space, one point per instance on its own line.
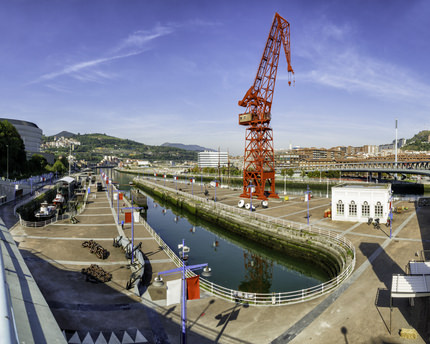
x=19 y=122
x=67 y=180
x=362 y=186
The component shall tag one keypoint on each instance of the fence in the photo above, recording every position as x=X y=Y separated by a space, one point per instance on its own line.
x=55 y=218
x=263 y=299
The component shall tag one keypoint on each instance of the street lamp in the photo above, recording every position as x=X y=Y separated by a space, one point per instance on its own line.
x=327 y=189
x=183 y=269
x=285 y=183
x=215 y=181
x=250 y=186
x=7 y=162
x=308 y=198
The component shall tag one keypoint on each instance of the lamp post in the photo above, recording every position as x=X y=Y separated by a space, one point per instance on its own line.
x=201 y=180
x=183 y=270
x=391 y=214
x=308 y=198
x=132 y=228
x=7 y=162
x=250 y=186
x=285 y=183
x=118 y=192
x=215 y=181
x=327 y=189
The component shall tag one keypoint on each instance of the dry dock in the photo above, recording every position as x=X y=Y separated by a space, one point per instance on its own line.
x=357 y=312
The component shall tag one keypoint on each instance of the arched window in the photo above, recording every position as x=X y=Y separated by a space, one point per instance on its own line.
x=352 y=209
x=365 y=209
x=379 y=210
x=340 y=208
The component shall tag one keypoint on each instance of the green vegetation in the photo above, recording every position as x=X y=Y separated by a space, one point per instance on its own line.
x=234 y=171
x=12 y=151
x=420 y=142
x=13 y=160
x=94 y=146
x=324 y=174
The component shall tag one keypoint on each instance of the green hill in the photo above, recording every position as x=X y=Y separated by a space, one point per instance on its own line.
x=94 y=146
x=420 y=142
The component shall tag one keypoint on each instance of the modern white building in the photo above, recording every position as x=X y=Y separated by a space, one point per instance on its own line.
x=358 y=203
x=30 y=133
x=213 y=159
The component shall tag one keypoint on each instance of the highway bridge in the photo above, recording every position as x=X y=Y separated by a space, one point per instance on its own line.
x=391 y=167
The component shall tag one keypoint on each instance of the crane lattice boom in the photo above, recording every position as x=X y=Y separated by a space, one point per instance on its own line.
x=259 y=157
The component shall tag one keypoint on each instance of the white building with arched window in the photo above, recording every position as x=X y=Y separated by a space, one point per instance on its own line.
x=358 y=203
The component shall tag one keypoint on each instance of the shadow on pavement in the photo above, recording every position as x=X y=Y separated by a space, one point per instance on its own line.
x=87 y=307
x=384 y=267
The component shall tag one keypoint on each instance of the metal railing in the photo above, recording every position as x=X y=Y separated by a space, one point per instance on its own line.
x=55 y=218
x=265 y=299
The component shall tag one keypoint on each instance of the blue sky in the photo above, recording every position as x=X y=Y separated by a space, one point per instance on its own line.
x=173 y=71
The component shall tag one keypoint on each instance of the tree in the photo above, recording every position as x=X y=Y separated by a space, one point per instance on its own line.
x=37 y=164
x=59 y=167
x=12 y=151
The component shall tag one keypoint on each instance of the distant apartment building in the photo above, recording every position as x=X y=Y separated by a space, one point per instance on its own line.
x=212 y=159
x=30 y=134
x=61 y=142
x=391 y=146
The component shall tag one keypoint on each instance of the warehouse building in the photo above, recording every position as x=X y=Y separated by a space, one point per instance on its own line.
x=358 y=203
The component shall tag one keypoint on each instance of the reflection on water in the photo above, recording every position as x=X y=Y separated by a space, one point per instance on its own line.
x=259 y=272
x=236 y=263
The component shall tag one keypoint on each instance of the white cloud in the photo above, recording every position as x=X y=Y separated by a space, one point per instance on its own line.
x=86 y=71
x=81 y=66
x=138 y=39
x=336 y=61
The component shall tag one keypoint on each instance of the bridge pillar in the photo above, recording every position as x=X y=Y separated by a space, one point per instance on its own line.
x=379 y=176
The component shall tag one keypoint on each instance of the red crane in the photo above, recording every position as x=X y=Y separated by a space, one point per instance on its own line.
x=259 y=157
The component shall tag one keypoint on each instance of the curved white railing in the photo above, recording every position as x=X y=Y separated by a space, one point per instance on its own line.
x=265 y=299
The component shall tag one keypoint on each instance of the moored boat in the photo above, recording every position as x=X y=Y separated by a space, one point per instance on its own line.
x=46 y=211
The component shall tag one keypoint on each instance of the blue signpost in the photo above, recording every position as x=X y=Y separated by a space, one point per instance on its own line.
x=183 y=269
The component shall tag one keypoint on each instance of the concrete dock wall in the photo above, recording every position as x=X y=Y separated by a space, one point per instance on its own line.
x=327 y=252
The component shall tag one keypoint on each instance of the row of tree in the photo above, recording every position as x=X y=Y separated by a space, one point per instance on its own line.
x=13 y=157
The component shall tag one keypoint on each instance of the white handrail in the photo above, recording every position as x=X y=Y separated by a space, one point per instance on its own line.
x=265 y=299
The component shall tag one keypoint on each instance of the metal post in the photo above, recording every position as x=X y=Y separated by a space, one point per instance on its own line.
x=285 y=184
x=132 y=231
x=117 y=204
x=183 y=269
x=327 y=188
x=7 y=162
x=308 y=200
x=201 y=180
x=391 y=214
x=184 y=297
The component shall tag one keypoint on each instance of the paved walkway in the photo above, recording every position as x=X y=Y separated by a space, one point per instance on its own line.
x=358 y=312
